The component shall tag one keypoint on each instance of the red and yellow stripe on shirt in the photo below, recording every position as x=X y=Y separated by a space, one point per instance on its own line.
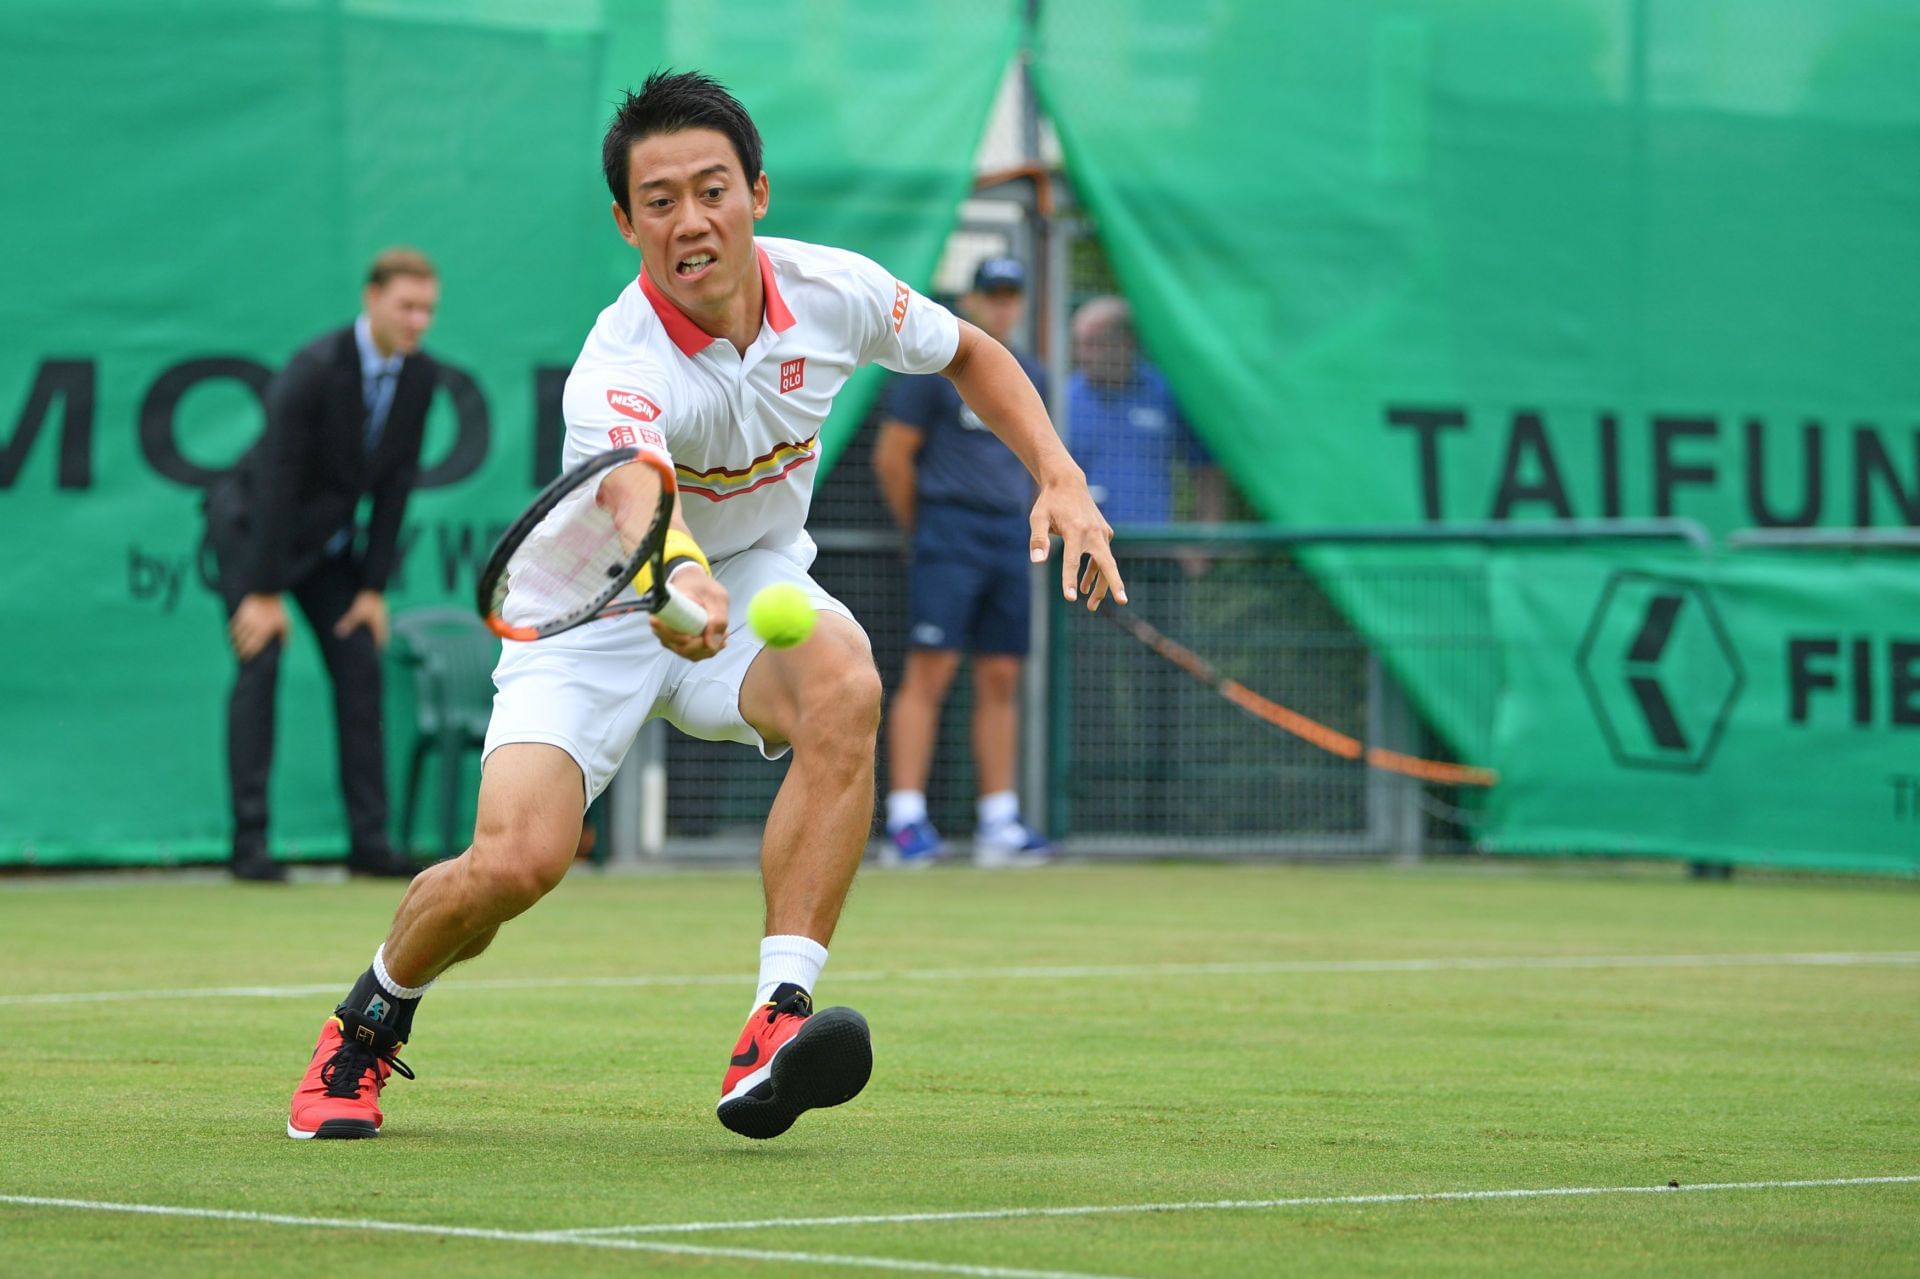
x=721 y=483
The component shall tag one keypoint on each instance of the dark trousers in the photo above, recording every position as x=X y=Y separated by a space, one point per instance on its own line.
x=353 y=665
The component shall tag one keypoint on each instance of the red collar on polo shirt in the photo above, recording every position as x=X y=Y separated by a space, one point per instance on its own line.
x=690 y=337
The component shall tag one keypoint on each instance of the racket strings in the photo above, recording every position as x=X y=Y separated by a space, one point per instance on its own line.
x=570 y=564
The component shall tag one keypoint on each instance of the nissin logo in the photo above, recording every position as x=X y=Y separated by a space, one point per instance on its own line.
x=633 y=404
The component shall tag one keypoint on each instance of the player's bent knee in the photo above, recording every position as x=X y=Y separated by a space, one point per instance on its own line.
x=847 y=692
x=516 y=863
x=527 y=829
x=507 y=884
x=843 y=702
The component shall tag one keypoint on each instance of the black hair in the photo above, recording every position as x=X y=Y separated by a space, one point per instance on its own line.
x=668 y=102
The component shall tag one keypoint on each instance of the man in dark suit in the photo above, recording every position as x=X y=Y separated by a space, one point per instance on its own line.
x=344 y=421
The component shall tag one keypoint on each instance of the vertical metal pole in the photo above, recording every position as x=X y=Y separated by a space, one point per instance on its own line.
x=637 y=799
x=623 y=811
x=653 y=788
x=1394 y=823
x=1044 y=307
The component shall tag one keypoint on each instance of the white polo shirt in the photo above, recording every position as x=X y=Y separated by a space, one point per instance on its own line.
x=743 y=431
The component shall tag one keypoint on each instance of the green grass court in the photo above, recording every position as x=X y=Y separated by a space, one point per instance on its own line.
x=1081 y=1038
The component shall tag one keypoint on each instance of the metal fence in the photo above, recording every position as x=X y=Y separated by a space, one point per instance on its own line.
x=1128 y=754
x=1134 y=756
x=1147 y=760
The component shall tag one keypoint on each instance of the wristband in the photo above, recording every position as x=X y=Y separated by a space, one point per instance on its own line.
x=679 y=549
x=682 y=547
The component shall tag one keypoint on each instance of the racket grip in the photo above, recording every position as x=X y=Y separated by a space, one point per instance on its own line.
x=680 y=613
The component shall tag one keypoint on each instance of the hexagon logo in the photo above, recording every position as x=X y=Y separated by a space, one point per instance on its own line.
x=1660 y=671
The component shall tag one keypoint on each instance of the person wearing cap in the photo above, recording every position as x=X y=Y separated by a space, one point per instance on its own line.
x=961 y=497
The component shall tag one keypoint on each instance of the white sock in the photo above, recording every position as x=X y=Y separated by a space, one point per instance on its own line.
x=998 y=810
x=388 y=984
x=904 y=808
x=789 y=958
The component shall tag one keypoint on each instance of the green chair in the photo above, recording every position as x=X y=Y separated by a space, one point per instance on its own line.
x=450 y=655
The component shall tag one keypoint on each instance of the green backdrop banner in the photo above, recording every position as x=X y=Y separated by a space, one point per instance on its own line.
x=1517 y=260
x=1513 y=261
x=193 y=191
x=1758 y=708
x=1537 y=259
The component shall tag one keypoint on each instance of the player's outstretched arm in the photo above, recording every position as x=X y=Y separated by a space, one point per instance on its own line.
x=994 y=386
x=631 y=494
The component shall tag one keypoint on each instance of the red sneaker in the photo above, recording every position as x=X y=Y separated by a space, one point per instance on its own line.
x=791 y=1059
x=340 y=1096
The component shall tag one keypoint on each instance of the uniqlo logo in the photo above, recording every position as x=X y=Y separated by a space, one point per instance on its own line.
x=633 y=404
x=900 y=295
x=622 y=437
x=793 y=375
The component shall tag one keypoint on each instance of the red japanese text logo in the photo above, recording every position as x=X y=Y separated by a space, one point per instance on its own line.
x=793 y=375
x=626 y=437
x=633 y=404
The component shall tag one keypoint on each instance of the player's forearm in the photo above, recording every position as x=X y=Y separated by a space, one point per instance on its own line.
x=630 y=495
x=996 y=388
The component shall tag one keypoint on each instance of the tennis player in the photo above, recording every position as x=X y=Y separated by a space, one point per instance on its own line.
x=725 y=356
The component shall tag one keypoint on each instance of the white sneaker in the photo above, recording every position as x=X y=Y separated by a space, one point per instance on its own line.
x=1011 y=845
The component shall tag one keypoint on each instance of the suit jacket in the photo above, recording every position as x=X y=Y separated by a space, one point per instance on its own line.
x=302 y=482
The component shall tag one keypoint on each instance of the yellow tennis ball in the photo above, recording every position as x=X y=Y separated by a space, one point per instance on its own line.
x=782 y=615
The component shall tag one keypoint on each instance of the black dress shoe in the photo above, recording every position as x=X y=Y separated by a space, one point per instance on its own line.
x=258 y=868
x=381 y=863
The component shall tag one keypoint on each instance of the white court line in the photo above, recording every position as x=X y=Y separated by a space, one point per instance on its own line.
x=1218 y=1205
x=1252 y=968
x=553 y=1238
x=604 y=1237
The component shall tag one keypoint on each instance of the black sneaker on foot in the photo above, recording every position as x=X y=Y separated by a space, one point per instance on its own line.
x=791 y=1059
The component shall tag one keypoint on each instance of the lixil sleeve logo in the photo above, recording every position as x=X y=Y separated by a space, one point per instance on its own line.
x=1660 y=671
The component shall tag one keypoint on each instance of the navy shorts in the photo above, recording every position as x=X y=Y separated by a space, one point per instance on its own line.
x=968 y=583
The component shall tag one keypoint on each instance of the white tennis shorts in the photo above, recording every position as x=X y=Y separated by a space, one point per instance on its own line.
x=588 y=690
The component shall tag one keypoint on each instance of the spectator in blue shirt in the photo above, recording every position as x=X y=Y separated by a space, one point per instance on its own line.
x=1125 y=429
x=1129 y=436
x=962 y=498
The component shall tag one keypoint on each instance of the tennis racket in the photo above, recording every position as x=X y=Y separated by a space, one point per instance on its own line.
x=563 y=562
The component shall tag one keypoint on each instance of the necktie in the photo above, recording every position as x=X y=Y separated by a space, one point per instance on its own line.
x=378 y=401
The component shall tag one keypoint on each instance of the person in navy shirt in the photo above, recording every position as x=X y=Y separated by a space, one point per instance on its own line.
x=1125 y=429
x=962 y=498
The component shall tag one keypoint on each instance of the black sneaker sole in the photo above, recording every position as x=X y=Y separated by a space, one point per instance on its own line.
x=826 y=1063
x=337 y=1129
